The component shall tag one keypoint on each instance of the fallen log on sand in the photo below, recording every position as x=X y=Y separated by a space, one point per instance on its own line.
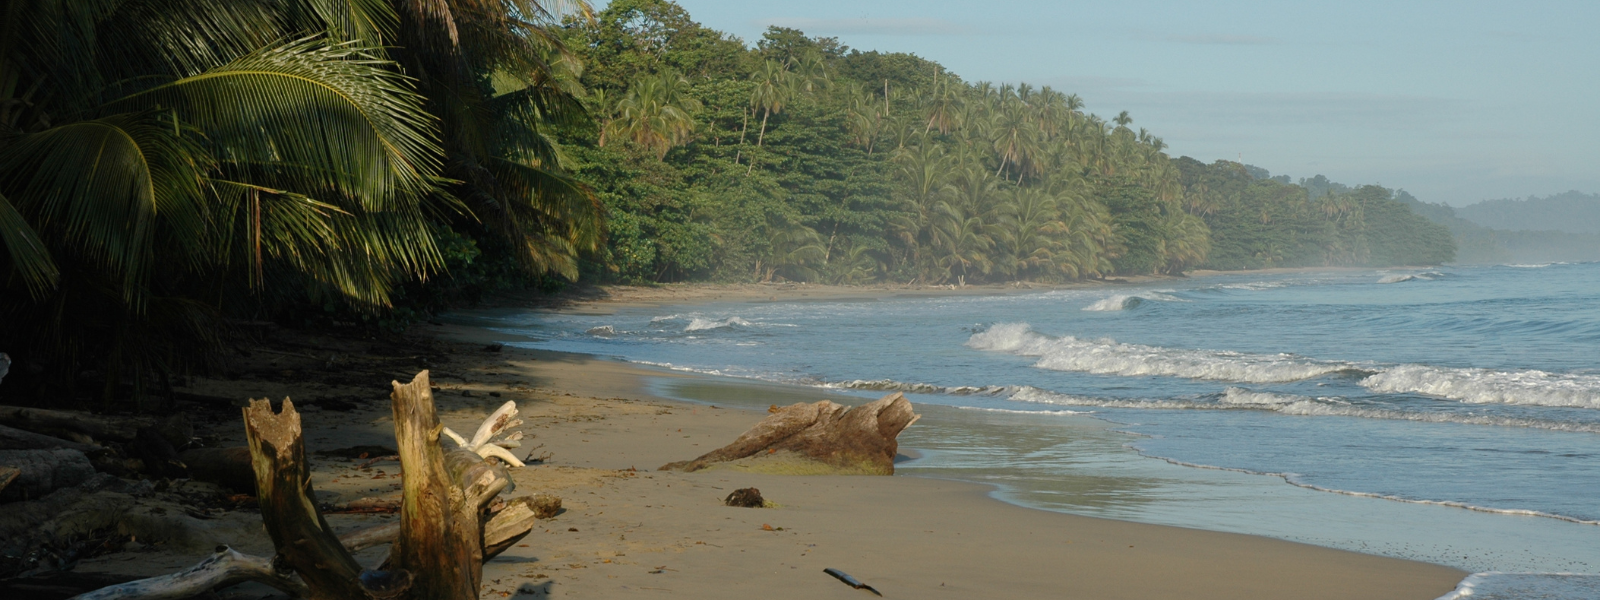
x=816 y=439
x=43 y=471
x=446 y=527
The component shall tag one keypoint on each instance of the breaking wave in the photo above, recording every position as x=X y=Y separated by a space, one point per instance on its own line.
x=1107 y=357
x=1129 y=301
x=699 y=324
x=1486 y=386
x=890 y=385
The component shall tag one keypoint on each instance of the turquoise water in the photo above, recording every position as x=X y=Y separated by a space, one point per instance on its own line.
x=1449 y=415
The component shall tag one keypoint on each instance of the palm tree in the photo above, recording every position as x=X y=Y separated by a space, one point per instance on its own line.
x=497 y=81
x=656 y=114
x=147 y=153
x=774 y=88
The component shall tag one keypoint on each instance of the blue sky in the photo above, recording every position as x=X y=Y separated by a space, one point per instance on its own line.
x=1454 y=101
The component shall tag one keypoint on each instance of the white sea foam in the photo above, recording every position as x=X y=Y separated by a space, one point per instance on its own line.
x=1485 y=386
x=890 y=385
x=1107 y=357
x=1295 y=480
x=1397 y=278
x=699 y=324
x=1129 y=301
x=1495 y=585
x=603 y=330
x=1012 y=411
x=1290 y=404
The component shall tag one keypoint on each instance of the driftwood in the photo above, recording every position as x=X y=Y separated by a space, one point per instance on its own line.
x=40 y=420
x=440 y=532
x=445 y=531
x=43 y=471
x=817 y=438
x=12 y=438
x=851 y=581
x=228 y=467
x=283 y=488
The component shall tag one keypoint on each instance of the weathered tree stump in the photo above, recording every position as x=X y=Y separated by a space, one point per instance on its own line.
x=446 y=529
x=817 y=438
x=303 y=538
x=439 y=528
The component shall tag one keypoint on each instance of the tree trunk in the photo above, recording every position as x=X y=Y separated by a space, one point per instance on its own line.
x=439 y=528
x=817 y=438
x=43 y=471
x=40 y=420
x=228 y=467
x=20 y=439
x=283 y=483
x=440 y=542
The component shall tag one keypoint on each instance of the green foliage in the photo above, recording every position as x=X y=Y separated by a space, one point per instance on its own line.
x=164 y=166
x=1259 y=222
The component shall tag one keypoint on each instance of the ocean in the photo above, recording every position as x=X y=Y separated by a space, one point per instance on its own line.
x=1450 y=415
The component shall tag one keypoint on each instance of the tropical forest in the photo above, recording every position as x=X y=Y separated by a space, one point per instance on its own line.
x=169 y=170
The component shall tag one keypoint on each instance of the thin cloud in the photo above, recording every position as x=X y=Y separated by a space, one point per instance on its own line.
x=1221 y=39
x=866 y=26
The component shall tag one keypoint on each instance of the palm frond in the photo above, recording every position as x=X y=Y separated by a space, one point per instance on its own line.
x=336 y=109
x=29 y=258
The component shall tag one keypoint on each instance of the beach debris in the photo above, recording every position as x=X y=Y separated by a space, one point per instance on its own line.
x=745 y=498
x=75 y=425
x=227 y=467
x=8 y=475
x=43 y=471
x=453 y=519
x=817 y=438
x=851 y=581
x=545 y=506
x=495 y=347
x=359 y=452
x=483 y=442
x=18 y=439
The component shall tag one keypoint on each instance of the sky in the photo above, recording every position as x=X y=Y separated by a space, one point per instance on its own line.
x=1455 y=102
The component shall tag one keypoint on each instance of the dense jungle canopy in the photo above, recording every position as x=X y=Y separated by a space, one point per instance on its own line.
x=171 y=168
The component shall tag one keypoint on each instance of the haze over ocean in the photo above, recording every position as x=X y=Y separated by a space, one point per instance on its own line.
x=1450 y=415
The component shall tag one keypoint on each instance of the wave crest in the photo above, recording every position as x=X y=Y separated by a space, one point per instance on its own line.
x=1485 y=386
x=1108 y=357
x=699 y=324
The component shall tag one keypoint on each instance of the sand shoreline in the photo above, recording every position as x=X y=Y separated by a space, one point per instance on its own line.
x=629 y=530
x=607 y=298
x=903 y=534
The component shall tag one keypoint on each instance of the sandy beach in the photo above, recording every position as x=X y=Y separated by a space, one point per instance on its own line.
x=629 y=530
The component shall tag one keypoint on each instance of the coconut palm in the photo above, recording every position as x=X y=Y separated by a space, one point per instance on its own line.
x=657 y=114
x=497 y=81
x=151 y=150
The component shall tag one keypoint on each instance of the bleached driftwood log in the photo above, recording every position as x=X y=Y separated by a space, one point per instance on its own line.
x=483 y=442
x=445 y=531
x=817 y=438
